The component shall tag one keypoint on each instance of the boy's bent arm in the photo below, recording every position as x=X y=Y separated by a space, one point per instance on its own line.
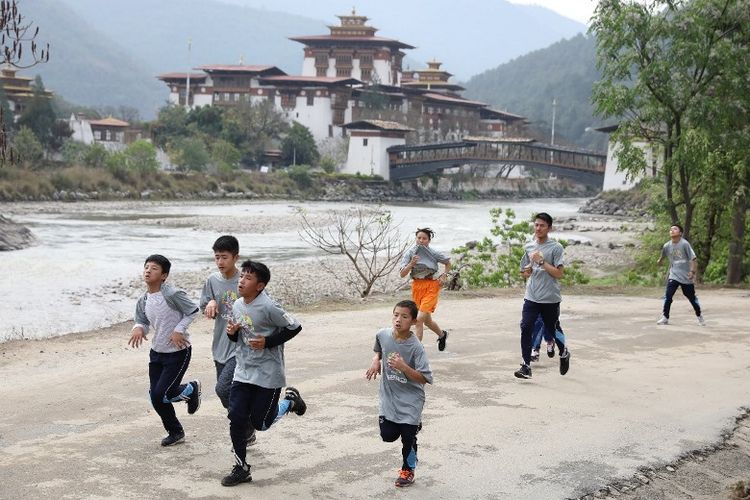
x=281 y=336
x=398 y=363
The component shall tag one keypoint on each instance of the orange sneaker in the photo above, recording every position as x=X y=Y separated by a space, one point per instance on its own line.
x=405 y=478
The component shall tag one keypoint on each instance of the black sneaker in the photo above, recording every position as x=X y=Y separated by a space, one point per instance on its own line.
x=534 y=355
x=239 y=474
x=298 y=404
x=251 y=437
x=173 y=438
x=564 y=362
x=442 y=340
x=523 y=372
x=551 y=349
x=195 y=398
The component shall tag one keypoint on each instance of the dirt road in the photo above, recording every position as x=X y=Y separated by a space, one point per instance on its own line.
x=76 y=421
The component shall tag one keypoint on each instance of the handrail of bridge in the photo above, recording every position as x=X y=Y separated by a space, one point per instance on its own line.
x=500 y=151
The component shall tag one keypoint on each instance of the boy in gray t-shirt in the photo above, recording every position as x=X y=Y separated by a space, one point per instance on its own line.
x=401 y=359
x=260 y=327
x=542 y=264
x=217 y=298
x=682 y=267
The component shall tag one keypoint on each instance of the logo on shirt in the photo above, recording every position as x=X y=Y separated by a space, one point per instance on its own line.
x=227 y=301
x=247 y=329
x=392 y=373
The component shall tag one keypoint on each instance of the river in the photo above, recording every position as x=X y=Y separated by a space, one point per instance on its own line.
x=88 y=254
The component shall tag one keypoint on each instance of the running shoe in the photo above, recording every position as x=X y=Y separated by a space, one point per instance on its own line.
x=442 y=340
x=405 y=478
x=239 y=474
x=551 y=349
x=701 y=321
x=523 y=372
x=173 y=438
x=564 y=362
x=535 y=355
x=194 y=402
x=298 y=404
x=663 y=321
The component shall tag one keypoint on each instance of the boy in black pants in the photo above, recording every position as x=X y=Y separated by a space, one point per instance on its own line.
x=400 y=356
x=170 y=312
x=260 y=327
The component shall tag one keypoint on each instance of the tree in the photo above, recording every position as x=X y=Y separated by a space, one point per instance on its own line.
x=658 y=59
x=39 y=115
x=20 y=50
x=367 y=237
x=298 y=147
x=170 y=124
x=140 y=156
x=253 y=128
x=28 y=147
x=224 y=155
x=189 y=154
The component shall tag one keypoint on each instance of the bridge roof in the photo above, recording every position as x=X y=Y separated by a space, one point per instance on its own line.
x=378 y=125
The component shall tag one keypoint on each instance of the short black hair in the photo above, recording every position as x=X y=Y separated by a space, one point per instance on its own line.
x=426 y=230
x=410 y=305
x=162 y=261
x=678 y=227
x=259 y=269
x=227 y=243
x=545 y=217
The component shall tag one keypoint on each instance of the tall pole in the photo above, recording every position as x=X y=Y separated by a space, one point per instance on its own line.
x=552 y=141
x=554 y=108
x=187 y=90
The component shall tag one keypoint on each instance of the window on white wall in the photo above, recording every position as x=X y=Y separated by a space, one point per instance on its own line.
x=364 y=142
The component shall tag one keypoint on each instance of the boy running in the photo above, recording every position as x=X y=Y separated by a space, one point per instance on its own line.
x=542 y=265
x=217 y=298
x=683 y=265
x=421 y=262
x=260 y=327
x=405 y=369
x=170 y=312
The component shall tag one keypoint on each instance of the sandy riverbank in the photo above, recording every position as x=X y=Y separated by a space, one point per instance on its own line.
x=77 y=422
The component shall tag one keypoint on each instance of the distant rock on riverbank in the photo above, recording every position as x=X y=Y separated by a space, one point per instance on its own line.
x=633 y=202
x=14 y=236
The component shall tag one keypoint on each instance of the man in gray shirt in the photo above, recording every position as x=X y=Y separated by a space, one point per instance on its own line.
x=682 y=268
x=542 y=265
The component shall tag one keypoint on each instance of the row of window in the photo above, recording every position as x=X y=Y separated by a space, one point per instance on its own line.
x=107 y=135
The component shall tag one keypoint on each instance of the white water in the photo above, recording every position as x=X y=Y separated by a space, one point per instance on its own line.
x=78 y=277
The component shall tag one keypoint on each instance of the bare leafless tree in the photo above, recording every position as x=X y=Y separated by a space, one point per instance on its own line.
x=20 y=50
x=367 y=237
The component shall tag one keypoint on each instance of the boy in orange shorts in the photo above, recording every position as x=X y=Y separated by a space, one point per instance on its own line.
x=421 y=262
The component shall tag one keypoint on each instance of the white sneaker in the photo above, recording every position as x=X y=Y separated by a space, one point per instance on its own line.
x=701 y=321
x=663 y=321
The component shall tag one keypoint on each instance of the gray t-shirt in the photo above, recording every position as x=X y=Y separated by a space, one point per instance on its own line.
x=401 y=399
x=224 y=292
x=541 y=287
x=260 y=318
x=427 y=265
x=165 y=320
x=680 y=255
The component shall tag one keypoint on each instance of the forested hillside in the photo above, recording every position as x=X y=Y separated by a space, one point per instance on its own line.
x=564 y=71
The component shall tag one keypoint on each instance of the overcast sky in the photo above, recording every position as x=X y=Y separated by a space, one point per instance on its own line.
x=580 y=10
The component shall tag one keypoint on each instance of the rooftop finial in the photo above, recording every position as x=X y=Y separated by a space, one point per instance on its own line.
x=354 y=11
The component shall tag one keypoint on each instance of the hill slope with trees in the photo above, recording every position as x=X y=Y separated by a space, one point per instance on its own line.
x=565 y=71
